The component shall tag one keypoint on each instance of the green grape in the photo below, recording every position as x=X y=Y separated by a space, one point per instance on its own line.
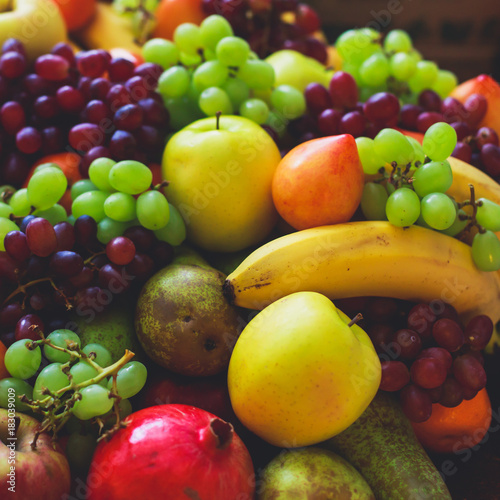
x=433 y=177
x=213 y=29
x=213 y=100
x=80 y=450
x=288 y=101
x=369 y=159
x=439 y=141
x=397 y=41
x=46 y=187
x=353 y=70
x=193 y=93
x=102 y=355
x=421 y=222
x=403 y=207
x=187 y=37
x=375 y=70
x=278 y=122
x=80 y=187
x=356 y=45
x=209 y=74
x=373 y=201
x=6 y=226
x=391 y=145
x=60 y=338
x=458 y=225
x=120 y=207
x=90 y=203
x=258 y=75
x=174 y=82
x=95 y=401
x=174 y=232
x=22 y=362
x=152 y=210
x=488 y=214
x=402 y=66
x=255 y=109
x=20 y=203
x=11 y=387
x=190 y=60
x=82 y=372
x=232 y=51
x=237 y=90
x=107 y=229
x=438 y=210
x=130 y=379
x=486 y=251
x=424 y=76
x=54 y=214
x=130 y=177
x=417 y=150
x=160 y=51
x=182 y=111
x=209 y=55
x=444 y=83
x=71 y=219
x=5 y=210
x=99 y=173
x=52 y=378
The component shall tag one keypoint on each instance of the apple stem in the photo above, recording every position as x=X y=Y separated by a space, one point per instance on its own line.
x=217 y=119
x=355 y=320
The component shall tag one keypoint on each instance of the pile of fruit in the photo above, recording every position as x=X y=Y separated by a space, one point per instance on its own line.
x=258 y=263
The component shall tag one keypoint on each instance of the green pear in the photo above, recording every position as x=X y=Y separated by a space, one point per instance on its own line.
x=112 y=328
x=381 y=444
x=296 y=69
x=312 y=472
x=183 y=320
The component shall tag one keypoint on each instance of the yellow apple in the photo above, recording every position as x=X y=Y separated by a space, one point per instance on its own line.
x=299 y=374
x=37 y=23
x=220 y=176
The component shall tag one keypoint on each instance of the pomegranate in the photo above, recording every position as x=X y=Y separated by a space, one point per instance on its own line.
x=172 y=451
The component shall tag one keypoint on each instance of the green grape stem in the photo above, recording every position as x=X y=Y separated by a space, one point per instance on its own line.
x=144 y=18
x=474 y=204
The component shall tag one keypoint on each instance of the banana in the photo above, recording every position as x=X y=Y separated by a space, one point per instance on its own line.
x=367 y=258
x=108 y=30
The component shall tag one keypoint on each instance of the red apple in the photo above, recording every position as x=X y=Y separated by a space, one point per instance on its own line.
x=41 y=473
x=319 y=182
x=172 y=451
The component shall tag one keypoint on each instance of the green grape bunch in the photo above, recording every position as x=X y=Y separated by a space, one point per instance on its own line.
x=78 y=382
x=390 y=63
x=413 y=190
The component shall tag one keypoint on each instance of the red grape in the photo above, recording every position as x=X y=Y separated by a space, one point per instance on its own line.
x=28 y=327
x=141 y=237
x=453 y=110
x=448 y=334
x=469 y=372
x=463 y=152
x=12 y=117
x=428 y=118
x=120 y=70
x=409 y=342
x=329 y=121
x=476 y=106
x=486 y=135
x=452 y=394
x=307 y=19
x=66 y=263
x=128 y=117
x=428 y=372
x=416 y=403
x=52 y=67
x=409 y=115
x=478 y=332
x=28 y=140
x=343 y=90
x=420 y=319
x=16 y=246
x=70 y=99
x=381 y=107
x=429 y=100
x=353 y=123
x=12 y=65
x=317 y=98
x=395 y=376
x=92 y=63
x=120 y=250
x=381 y=309
x=490 y=157
x=440 y=354
x=41 y=237
x=65 y=234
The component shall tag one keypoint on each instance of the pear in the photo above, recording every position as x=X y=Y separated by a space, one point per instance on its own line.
x=112 y=328
x=312 y=472
x=381 y=444
x=183 y=320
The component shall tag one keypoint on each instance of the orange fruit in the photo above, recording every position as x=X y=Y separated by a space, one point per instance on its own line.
x=449 y=430
x=3 y=371
x=171 y=13
x=76 y=13
x=69 y=164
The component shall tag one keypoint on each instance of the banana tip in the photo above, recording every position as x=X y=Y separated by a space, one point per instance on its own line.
x=228 y=291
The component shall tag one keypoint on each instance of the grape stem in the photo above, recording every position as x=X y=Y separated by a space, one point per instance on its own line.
x=144 y=17
x=474 y=204
x=22 y=289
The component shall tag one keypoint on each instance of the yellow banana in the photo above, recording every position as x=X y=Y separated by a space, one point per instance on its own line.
x=367 y=258
x=108 y=30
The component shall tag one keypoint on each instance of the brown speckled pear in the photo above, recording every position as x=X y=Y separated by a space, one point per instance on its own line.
x=381 y=444
x=184 y=322
x=311 y=473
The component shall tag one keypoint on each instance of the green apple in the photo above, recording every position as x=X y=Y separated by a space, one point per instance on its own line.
x=220 y=174
x=37 y=23
x=299 y=373
x=296 y=69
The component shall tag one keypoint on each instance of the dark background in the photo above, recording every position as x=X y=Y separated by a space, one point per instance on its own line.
x=462 y=36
